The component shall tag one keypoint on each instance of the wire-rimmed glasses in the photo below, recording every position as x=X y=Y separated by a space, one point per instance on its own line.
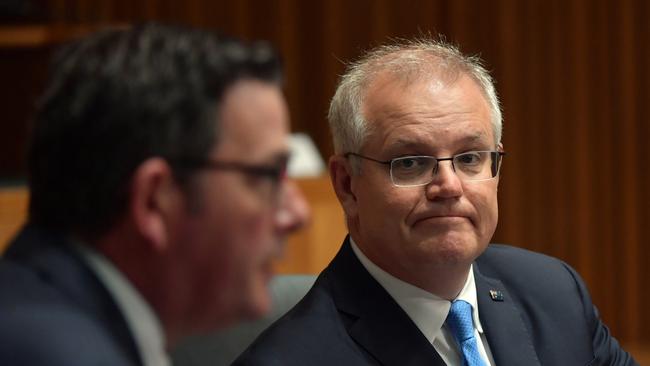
x=419 y=170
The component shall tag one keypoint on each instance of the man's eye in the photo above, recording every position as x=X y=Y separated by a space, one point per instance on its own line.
x=412 y=164
x=468 y=159
x=407 y=163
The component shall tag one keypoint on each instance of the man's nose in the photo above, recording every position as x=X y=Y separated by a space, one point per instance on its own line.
x=293 y=212
x=445 y=182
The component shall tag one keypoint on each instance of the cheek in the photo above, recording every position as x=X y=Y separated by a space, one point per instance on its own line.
x=245 y=216
x=486 y=205
x=226 y=234
x=241 y=247
x=384 y=208
x=254 y=235
x=398 y=201
x=254 y=240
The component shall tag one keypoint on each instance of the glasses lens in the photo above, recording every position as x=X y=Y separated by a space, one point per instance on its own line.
x=412 y=170
x=477 y=165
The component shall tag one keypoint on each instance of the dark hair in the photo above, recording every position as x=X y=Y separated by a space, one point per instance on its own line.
x=119 y=97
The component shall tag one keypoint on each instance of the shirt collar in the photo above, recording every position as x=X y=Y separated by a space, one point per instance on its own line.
x=141 y=319
x=425 y=309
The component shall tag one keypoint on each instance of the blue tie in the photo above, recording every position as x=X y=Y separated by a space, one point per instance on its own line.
x=461 y=325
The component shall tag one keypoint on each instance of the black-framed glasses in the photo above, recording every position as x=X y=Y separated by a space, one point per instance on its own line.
x=276 y=172
x=273 y=173
x=419 y=170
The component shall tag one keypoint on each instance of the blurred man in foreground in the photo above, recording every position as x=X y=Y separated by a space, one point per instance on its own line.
x=417 y=137
x=158 y=198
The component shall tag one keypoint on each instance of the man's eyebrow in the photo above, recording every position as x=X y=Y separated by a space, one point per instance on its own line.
x=476 y=137
x=410 y=143
x=415 y=143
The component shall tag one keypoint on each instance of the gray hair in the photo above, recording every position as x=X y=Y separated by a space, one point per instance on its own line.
x=405 y=59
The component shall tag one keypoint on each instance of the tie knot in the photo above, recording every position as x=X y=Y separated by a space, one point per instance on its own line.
x=460 y=320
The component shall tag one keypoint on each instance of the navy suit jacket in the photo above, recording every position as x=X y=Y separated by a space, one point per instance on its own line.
x=545 y=318
x=54 y=310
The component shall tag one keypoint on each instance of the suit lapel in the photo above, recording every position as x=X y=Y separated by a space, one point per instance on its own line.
x=378 y=324
x=385 y=336
x=508 y=337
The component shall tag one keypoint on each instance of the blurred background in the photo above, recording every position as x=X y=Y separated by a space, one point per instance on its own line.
x=573 y=77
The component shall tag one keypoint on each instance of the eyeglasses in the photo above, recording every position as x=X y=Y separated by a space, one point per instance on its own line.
x=419 y=170
x=273 y=174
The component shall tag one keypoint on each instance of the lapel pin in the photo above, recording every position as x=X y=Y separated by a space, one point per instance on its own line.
x=496 y=295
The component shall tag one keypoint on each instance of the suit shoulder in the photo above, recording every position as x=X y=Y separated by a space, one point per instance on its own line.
x=530 y=272
x=534 y=279
x=312 y=332
x=310 y=313
x=55 y=334
x=506 y=256
x=42 y=325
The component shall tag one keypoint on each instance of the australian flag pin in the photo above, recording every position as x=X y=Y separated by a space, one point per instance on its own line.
x=496 y=295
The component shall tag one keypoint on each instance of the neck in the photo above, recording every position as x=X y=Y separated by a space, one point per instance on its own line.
x=445 y=283
x=144 y=270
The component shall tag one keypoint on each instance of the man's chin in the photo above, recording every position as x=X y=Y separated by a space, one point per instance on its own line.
x=259 y=300
x=449 y=248
x=258 y=307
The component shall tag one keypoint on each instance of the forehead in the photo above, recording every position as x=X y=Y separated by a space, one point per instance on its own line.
x=428 y=112
x=254 y=121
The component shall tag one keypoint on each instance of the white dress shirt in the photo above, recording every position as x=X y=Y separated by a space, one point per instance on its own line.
x=429 y=311
x=141 y=319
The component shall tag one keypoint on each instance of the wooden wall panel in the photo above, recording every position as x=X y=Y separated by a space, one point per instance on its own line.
x=573 y=78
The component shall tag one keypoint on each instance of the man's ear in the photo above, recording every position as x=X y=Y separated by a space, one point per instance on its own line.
x=341 y=175
x=154 y=196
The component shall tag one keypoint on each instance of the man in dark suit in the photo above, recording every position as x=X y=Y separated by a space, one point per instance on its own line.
x=417 y=137
x=158 y=198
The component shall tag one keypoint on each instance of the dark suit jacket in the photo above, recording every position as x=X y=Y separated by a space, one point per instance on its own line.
x=54 y=311
x=347 y=318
